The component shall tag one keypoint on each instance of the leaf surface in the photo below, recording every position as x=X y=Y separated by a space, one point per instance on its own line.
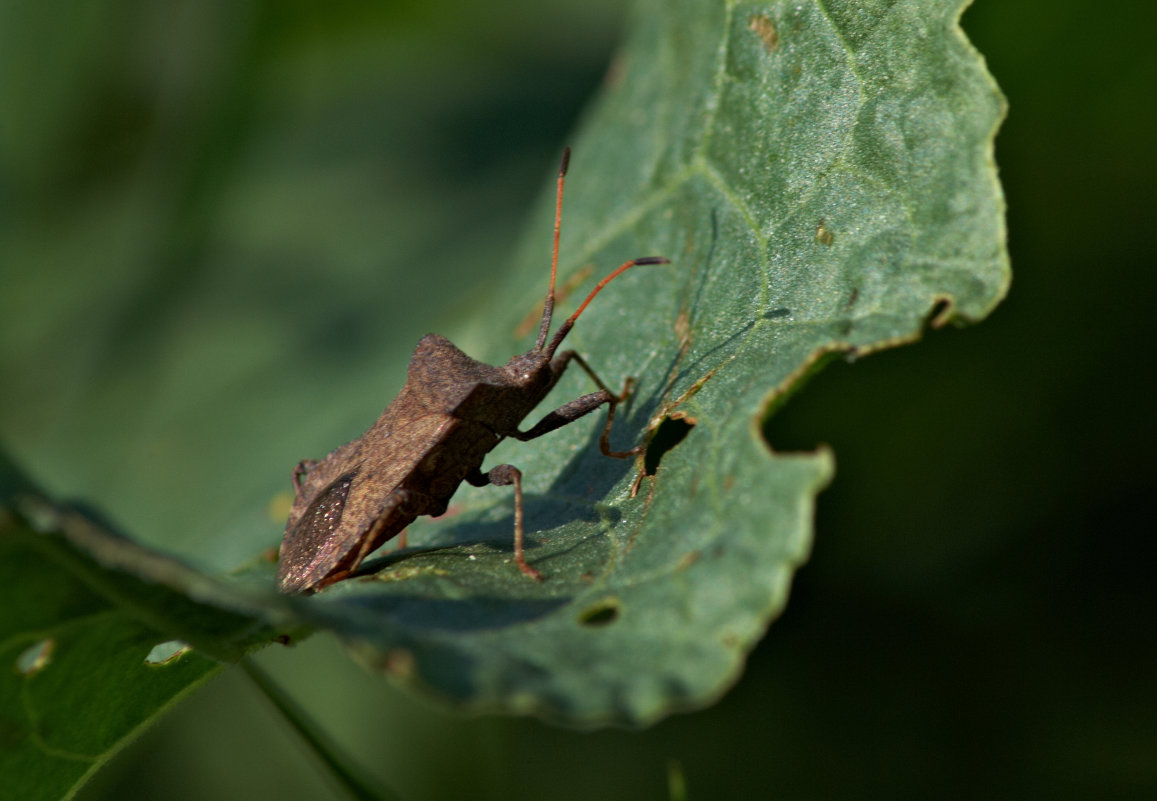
x=820 y=175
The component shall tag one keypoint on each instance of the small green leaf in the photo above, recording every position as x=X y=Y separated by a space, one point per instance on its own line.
x=86 y=656
x=63 y=714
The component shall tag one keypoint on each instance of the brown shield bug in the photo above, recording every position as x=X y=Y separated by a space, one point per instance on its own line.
x=433 y=436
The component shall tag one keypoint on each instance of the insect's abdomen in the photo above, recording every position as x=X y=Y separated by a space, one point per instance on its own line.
x=463 y=446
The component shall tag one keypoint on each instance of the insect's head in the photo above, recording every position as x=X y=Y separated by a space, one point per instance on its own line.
x=529 y=370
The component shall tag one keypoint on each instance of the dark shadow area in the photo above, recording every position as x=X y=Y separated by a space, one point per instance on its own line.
x=465 y=615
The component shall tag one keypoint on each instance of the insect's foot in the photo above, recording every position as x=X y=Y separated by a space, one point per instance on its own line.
x=527 y=569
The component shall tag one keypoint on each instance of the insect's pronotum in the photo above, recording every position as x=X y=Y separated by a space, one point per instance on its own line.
x=433 y=436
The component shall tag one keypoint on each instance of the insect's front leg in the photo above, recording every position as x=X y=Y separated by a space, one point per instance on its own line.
x=501 y=476
x=585 y=404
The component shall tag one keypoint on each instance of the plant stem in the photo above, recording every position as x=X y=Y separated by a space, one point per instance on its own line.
x=342 y=769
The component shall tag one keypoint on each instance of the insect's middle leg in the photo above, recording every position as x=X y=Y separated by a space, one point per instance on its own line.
x=501 y=476
x=585 y=404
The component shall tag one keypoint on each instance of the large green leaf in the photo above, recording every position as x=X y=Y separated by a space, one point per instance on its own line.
x=820 y=175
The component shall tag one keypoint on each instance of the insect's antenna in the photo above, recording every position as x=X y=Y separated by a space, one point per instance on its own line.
x=548 y=305
x=565 y=328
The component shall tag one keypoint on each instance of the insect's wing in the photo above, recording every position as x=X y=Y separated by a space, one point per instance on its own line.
x=310 y=551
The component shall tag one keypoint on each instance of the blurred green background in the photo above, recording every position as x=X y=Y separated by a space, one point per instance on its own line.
x=188 y=187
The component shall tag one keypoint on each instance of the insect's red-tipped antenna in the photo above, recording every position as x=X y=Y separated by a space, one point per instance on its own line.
x=565 y=328
x=548 y=305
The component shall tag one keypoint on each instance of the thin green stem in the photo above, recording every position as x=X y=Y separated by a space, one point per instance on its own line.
x=343 y=770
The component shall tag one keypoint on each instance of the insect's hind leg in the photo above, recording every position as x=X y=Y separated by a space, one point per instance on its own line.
x=502 y=476
x=301 y=471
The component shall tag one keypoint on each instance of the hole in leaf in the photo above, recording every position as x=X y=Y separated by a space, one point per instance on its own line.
x=940 y=313
x=602 y=613
x=166 y=653
x=670 y=433
x=35 y=658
